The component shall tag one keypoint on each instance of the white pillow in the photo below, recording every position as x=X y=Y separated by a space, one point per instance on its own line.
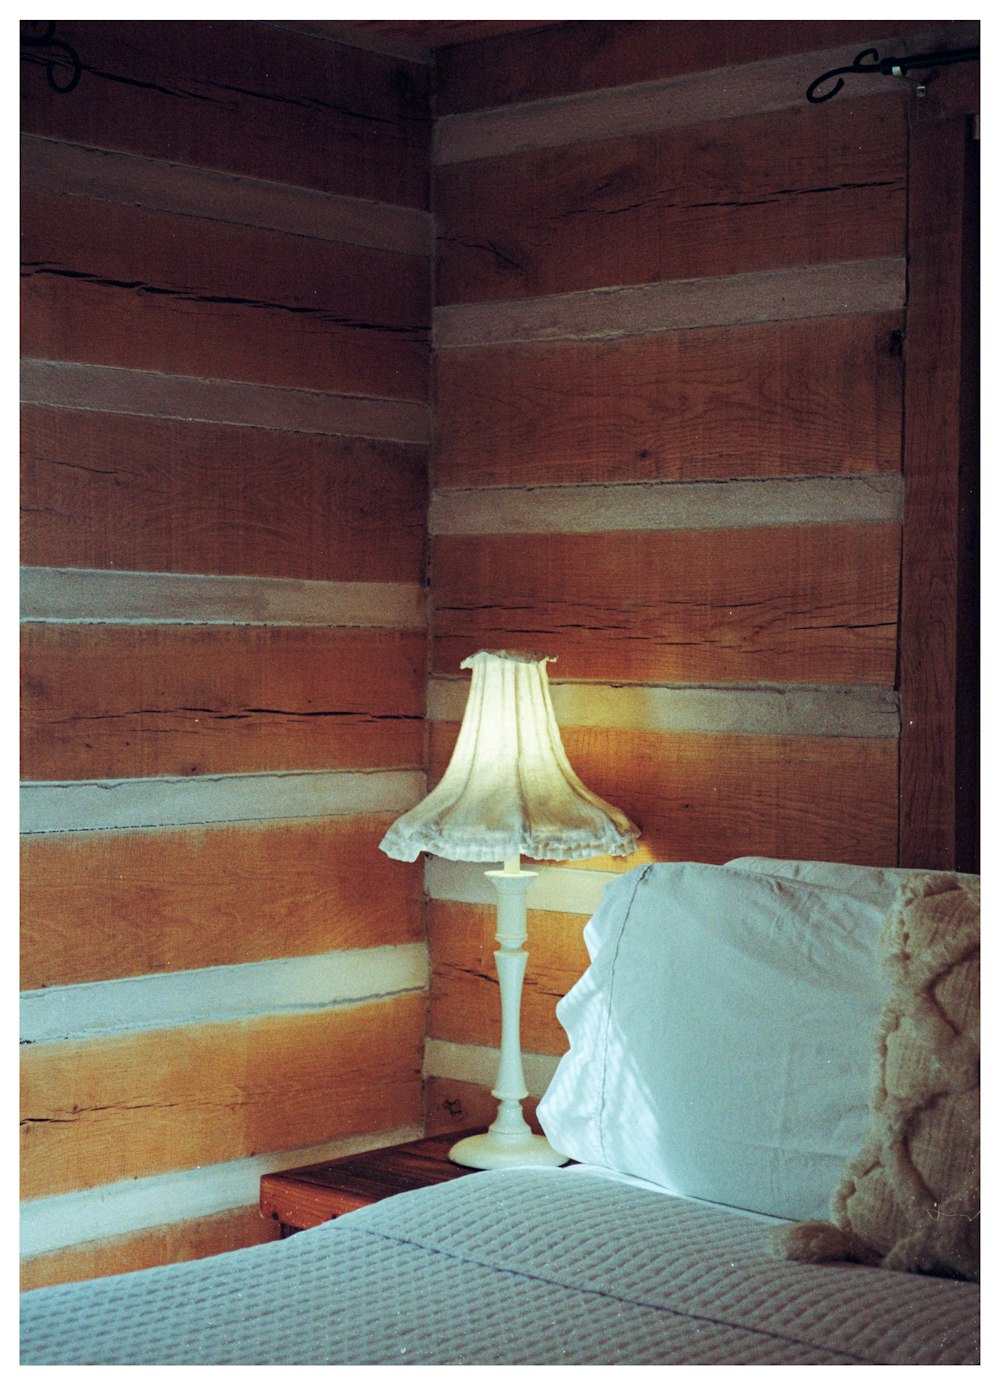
x=877 y=883
x=721 y=1039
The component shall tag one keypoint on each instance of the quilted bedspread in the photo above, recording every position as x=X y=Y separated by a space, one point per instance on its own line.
x=522 y=1266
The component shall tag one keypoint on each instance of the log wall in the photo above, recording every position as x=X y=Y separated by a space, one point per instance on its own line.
x=672 y=331
x=226 y=310
x=693 y=346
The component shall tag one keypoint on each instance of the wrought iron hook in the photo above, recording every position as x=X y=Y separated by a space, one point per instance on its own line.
x=887 y=67
x=856 y=66
x=56 y=62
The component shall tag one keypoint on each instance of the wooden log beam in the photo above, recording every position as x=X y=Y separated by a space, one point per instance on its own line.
x=118 y=702
x=806 y=603
x=938 y=818
x=100 y=1110
x=99 y=905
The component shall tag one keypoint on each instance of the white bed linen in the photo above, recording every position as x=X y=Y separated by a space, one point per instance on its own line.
x=876 y=883
x=521 y=1266
x=721 y=1040
x=596 y=1171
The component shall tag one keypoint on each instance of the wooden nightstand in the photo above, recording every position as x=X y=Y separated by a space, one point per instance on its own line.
x=300 y=1198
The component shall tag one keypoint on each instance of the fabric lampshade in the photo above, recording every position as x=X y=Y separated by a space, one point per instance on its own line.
x=509 y=788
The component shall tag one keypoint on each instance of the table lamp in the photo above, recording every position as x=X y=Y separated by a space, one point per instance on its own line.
x=509 y=790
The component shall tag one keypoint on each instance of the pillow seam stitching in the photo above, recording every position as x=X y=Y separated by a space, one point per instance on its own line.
x=602 y=1105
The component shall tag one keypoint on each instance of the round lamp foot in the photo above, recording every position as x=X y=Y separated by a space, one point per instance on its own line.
x=492 y=1151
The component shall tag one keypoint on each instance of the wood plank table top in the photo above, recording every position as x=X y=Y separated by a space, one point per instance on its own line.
x=305 y=1197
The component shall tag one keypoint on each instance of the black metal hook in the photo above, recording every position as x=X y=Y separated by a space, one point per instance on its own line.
x=887 y=67
x=56 y=62
x=856 y=66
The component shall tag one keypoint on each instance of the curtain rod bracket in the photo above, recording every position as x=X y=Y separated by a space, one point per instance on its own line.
x=887 y=67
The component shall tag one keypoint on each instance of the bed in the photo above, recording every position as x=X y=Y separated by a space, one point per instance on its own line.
x=770 y=1094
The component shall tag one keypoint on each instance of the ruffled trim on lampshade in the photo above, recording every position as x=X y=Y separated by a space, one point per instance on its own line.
x=402 y=844
x=509 y=788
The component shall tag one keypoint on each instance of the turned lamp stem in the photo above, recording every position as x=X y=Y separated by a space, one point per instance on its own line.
x=509 y=1139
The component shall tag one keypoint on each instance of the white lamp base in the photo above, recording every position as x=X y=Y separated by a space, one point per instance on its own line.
x=492 y=1151
x=509 y=1142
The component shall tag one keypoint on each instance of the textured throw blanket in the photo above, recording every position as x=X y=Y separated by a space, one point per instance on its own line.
x=525 y=1267
x=909 y=1199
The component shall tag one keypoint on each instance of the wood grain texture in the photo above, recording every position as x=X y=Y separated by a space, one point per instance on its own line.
x=109 y=490
x=317 y=1193
x=167 y=1099
x=776 y=84
x=764 y=192
x=360 y=36
x=189 y=296
x=588 y=55
x=814 y=397
x=800 y=604
x=431 y=34
x=954 y=90
x=932 y=466
x=465 y=1005
x=97 y=905
x=968 y=771
x=245 y=98
x=108 y=702
x=170 y=1244
x=452 y=1106
x=711 y=797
